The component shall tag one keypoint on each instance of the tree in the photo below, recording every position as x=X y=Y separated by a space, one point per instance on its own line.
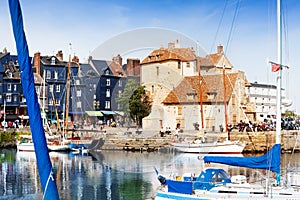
x=139 y=105
x=123 y=100
x=289 y=113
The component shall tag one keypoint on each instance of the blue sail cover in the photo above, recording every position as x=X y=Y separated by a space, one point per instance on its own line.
x=268 y=161
x=38 y=136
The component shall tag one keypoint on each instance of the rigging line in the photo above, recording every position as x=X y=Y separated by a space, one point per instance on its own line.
x=221 y=20
x=232 y=25
x=286 y=47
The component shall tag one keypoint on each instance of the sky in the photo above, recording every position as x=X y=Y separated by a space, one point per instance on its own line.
x=246 y=29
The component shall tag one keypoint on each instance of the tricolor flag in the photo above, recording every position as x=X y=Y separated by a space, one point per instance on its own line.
x=275 y=67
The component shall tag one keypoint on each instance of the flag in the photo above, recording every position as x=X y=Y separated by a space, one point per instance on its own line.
x=275 y=67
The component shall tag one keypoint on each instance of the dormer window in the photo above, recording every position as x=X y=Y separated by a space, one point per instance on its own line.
x=149 y=58
x=157 y=57
x=9 y=75
x=107 y=72
x=52 y=61
x=211 y=95
x=191 y=96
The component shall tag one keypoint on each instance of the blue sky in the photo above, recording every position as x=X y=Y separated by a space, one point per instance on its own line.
x=51 y=25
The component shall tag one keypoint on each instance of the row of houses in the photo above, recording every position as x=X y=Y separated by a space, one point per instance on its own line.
x=184 y=88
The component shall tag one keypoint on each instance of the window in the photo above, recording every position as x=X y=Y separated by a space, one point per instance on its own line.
x=78 y=93
x=179 y=65
x=179 y=110
x=57 y=88
x=157 y=57
x=50 y=102
x=107 y=92
x=15 y=98
x=57 y=102
x=52 y=61
x=120 y=83
x=108 y=82
x=15 y=87
x=48 y=76
x=107 y=72
x=211 y=95
x=8 y=87
x=107 y=104
x=51 y=88
x=191 y=96
x=188 y=65
x=78 y=104
x=119 y=93
x=22 y=99
x=8 y=97
x=77 y=82
x=55 y=74
x=157 y=70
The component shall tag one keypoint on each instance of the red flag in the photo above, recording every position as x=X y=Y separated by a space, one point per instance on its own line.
x=275 y=67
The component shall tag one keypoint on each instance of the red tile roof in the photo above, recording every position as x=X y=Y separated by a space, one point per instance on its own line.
x=211 y=84
x=163 y=54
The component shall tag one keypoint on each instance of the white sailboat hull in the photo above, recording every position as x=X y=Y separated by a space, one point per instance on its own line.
x=29 y=147
x=249 y=194
x=227 y=147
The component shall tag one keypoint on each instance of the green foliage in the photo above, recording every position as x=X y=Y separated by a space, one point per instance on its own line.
x=134 y=102
x=123 y=100
x=289 y=113
x=139 y=105
x=7 y=136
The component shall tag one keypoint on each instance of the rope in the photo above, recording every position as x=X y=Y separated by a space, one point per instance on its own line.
x=232 y=25
x=52 y=179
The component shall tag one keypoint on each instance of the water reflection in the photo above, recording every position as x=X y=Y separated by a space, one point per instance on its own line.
x=103 y=175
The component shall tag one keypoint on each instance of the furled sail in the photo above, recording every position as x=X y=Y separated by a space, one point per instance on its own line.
x=40 y=145
x=268 y=161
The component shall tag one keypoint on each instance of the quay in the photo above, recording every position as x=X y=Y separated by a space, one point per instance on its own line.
x=131 y=139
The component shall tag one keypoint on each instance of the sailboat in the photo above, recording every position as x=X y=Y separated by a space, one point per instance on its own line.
x=215 y=183
x=47 y=179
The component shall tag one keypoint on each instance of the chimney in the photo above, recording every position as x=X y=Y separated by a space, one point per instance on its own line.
x=5 y=50
x=37 y=62
x=220 y=49
x=133 y=67
x=59 y=55
x=118 y=59
x=75 y=59
x=171 y=45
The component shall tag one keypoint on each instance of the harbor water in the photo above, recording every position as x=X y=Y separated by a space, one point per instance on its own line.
x=105 y=175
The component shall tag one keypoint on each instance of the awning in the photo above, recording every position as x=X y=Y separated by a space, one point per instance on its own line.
x=24 y=116
x=107 y=112
x=76 y=113
x=94 y=113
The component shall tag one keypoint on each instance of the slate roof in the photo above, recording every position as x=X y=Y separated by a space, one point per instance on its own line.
x=211 y=84
x=102 y=65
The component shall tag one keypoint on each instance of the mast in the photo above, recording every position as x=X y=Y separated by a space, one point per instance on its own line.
x=200 y=88
x=279 y=60
x=4 y=112
x=68 y=93
x=225 y=103
x=278 y=97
